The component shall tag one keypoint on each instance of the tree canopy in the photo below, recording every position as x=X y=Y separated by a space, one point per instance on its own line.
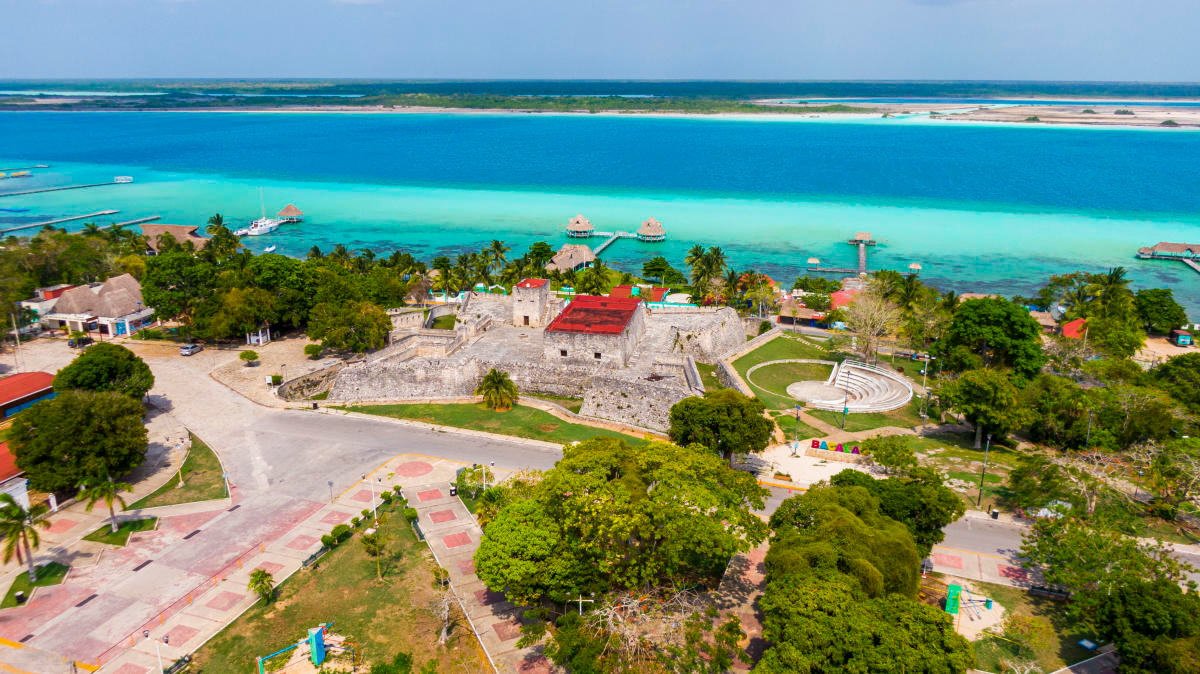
x=919 y=501
x=609 y=516
x=988 y=399
x=349 y=326
x=78 y=436
x=724 y=421
x=993 y=332
x=106 y=367
x=1158 y=310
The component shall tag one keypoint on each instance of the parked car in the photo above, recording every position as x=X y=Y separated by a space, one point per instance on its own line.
x=190 y=349
x=79 y=343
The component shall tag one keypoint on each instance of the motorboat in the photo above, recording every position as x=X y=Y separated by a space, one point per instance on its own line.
x=123 y=179
x=263 y=225
x=269 y=249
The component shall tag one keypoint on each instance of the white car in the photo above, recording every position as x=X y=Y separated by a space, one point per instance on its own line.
x=190 y=349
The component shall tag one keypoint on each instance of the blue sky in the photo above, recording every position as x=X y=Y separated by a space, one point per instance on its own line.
x=650 y=39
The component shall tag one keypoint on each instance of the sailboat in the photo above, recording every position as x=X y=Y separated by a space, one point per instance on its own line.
x=263 y=225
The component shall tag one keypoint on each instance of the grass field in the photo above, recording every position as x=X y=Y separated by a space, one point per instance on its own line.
x=905 y=417
x=47 y=574
x=787 y=424
x=382 y=617
x=105 y=535
x=1055 y=641
x=708 y=375
x=443 y=322
x=520 y=421
x=202 y=480
x=770 y=382
x=780 y=348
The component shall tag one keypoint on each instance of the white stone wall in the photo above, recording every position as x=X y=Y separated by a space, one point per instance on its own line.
x=531 y=303
x=721 y=333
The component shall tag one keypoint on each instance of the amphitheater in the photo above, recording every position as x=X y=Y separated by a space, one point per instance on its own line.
x=855 y=386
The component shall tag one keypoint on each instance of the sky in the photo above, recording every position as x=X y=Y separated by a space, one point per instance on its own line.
x=1113 y=40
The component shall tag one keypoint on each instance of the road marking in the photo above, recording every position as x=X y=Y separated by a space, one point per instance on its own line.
x=10 y=644
x=14 y=670
x=782 y=486
x=972 y=552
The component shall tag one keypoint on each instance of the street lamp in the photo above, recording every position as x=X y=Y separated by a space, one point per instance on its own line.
x=845 y=409
x=925 y=370
x=374 y=512
x=331 y=491
x=157 y=652
x=225 y=477
x=796 y=437
x=983 y=473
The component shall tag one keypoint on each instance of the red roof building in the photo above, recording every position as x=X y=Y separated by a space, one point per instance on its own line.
x=591 y=315
x=841 y=298
x=21 y=390
x=1075 y=329
x=532 y=283
x=8 y=463
x=646 y=294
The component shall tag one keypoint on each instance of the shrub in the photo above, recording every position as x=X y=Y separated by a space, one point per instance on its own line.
x=248 y=357
x=354 y=521
x=410 y=514
x=340 y=533
x=386 y=497
x=329 y=541
x=276 y=379
x=1033 y=118
x=1123 y=112
x=1169 y=122
x=365 y=512
x=401 y=664
x=763 y=327
x=313 y=351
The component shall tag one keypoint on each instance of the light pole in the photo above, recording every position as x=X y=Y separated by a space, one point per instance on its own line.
x=282 y=372
x=845 y=409
x=225 y=477
x=157 y=651
x=925 y=370
x=983 y=473
x=374 y=512
x=796 y=437
x=331 y=491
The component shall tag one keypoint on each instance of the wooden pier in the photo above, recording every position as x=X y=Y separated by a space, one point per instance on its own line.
x=24 y=168
x=139 y=221
x=612 y=237
x=56 y=189
x=55 y=222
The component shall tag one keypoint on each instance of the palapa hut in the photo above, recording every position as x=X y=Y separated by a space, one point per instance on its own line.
x=291 y=214
x=181 y=233
x=580 y=227
x=572 y=256
x=651 y=230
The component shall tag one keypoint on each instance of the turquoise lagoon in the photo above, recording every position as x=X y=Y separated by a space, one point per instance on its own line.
x=980 y=207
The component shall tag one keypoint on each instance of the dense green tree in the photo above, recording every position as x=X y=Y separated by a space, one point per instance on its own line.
x=352 y=326
x=1059 y=409
x=177 y=283
x=724 y=421
x=988 y=399
x=1180 y=377
x=1144 y=618
x=236 y=312
x=816 y=284
x=920 y=502
x=612 y=517
x=1092 y=562
x=106 y=367
x=656 y=268
x=998 y=332
x=1158 y=310
x=1036 y=482
x=76 y=436
x=1117 y=337
x=1125 y=415
x=891 y=452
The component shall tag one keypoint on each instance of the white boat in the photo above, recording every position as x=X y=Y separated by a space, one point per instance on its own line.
x=263 y=225
x=123 y=179
x=269 y=249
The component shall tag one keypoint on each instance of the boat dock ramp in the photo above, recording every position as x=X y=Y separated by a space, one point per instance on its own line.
x=127 y=223
x=32 y=225
x=612 y=237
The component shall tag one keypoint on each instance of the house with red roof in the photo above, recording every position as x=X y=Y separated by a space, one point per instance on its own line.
x=1076 y=329
x=601 y=331
x=18 y=392
x=646 y=294
x=532 y=302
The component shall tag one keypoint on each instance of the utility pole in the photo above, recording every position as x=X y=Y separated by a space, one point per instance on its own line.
x=845 y=410
x=580 y=599
x=982 y=474
x=17 y=335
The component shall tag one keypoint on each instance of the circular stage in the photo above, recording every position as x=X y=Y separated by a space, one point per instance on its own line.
x=816 y=391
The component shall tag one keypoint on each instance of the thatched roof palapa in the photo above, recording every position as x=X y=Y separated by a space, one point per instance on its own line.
x=118 y=296
x=651 y=228
x=180 y=233
x=580 y=224
x=571 y=256
x=290 y=211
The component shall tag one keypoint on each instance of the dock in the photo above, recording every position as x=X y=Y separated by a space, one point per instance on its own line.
x=612 y=237
x=24 y=168
x=1187 y=253
x=56 y=189
x=32 y=225
x=139 y=221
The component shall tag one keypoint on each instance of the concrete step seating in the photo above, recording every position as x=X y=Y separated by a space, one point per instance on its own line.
x=868 y=389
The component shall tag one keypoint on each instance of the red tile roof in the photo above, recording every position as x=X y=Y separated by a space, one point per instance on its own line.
x=841 y=298
x=8 y=463
x=532 y=283
x=23 y=385
x=647 y=294
x=595 y=315
x=1075 y=328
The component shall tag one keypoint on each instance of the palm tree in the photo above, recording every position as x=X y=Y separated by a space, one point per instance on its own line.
x=498 y=252
x=950 y=300
x=109 y=492
x=694 y=255
x=716 y=260
x=215 y=222
x=908 y=292
x=498 y=391
x=262 y=584
x=594 y=280
x=19 y=528
x=733 y=281
x=91 y=229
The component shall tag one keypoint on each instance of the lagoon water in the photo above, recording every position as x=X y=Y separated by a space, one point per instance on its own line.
x=982 y=207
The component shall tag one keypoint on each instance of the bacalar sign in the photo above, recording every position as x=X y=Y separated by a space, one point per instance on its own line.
x=834 y=447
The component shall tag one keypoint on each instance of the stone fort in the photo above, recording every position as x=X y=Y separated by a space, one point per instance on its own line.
x=628 y=362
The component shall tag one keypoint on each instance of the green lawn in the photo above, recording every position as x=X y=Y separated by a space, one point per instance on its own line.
x=1056 y=641
x=770 y=383
x=708 y=375
x=780 y=348
x=105 y=535
x=573 y=404
x=443 y=322
x=381 y=617
x=520 y=421
x=905 y=417
x=47 y=574
x=788 y=425
x=320 y=396
x=202 y=480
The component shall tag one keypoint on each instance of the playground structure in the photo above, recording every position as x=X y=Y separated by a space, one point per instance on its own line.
x=959 y=601
x=318 y=648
